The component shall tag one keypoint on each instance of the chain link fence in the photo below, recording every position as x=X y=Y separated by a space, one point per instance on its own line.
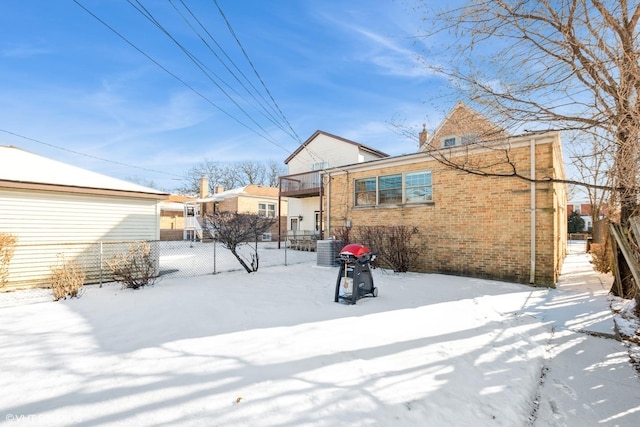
x=31 y=264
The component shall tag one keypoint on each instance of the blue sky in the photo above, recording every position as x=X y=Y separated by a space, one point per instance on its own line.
x=345 y=67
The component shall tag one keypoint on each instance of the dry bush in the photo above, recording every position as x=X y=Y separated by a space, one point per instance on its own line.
x=392 y=245
x=601 y=256
x=7 y=249
x=66 y=280
x=342 y=237
x=135 y=268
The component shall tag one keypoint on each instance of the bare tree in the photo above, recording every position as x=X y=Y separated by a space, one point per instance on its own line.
x=253 y=172
x=235 y=230
x=226 y=175
x=144 y=182
x=274 y=171
x=593 y=164
x=564 y=64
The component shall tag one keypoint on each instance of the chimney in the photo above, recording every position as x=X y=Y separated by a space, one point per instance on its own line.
x=219 y=189
x=204 y=187
x=423 y=136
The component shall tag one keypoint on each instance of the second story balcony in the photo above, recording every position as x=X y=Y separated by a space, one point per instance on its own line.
x=300 y=185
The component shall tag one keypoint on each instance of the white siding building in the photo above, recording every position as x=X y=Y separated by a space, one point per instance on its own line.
x=61 y=212
x=303 y=185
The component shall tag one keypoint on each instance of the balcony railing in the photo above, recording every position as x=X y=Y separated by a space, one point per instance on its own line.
x=306 y=184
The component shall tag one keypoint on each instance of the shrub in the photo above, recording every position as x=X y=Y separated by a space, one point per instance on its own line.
x=135 y=268
x=66 y=280
x=601 y=257
x=234 y=229
x=7 y=249
x=392 y=245
x=342 y=237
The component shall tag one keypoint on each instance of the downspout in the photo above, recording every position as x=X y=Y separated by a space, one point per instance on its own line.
x=532 y=277
x=328 y=193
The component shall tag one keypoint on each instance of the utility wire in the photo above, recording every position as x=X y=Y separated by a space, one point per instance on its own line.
x=269 y=109
x=88 y=155
x=173 y=75
x=147 y=14
x=192 y=57
x=254 y=68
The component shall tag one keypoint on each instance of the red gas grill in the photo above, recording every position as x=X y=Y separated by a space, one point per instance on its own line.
x=354 y=278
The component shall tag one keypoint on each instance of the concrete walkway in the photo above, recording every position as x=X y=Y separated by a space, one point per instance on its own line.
x=588 y=379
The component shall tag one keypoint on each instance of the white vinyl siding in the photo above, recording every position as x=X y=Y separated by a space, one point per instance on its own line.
x=49 y=224
x=328 y=152
x=61 y=217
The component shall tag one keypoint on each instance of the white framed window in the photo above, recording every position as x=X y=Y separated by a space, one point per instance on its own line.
x=470 y=138
x=418 y=187
x=449 y=141
x=319 y=166
x=455 y=141
x=267 y=209
x=390 y=189
x=366 y=191
x=410 y=187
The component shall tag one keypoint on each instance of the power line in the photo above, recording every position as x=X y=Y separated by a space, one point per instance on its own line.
x=88 y=155
x=262 y=102
x=254 y=68
x=199 y=64
x=143 y=11
x=174 y=75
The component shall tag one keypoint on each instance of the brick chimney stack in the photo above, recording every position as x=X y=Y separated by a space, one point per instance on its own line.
x=204 y=187
x=423 y=137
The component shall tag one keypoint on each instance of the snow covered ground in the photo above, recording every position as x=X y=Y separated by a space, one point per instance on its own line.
x=272 y=349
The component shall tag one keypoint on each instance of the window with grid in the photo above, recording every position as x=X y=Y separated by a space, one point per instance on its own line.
x=470 y=138
x=319 y=166
x=449 y=142
x=365 y=192
x=267 y=209
x=390 y=189
x=413 y=187
x=417 y=187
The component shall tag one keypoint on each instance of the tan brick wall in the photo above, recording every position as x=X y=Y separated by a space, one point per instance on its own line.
x=171 y=220
x=463 y=120
x=476 y=226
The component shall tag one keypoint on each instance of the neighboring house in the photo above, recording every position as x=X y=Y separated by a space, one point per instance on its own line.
x=303 y=184
x=582 y=208
x=60 y=212
x=585 y=211
x=503 y=228
x=253 y=199
x=172 y=214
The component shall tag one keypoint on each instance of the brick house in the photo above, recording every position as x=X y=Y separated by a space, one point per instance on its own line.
x=302 y=186
x=503 y=228
x=172 y=217
x=252 y=198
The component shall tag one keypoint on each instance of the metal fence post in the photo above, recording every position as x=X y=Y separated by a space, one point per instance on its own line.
x=100 y=268
x=215 y=243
